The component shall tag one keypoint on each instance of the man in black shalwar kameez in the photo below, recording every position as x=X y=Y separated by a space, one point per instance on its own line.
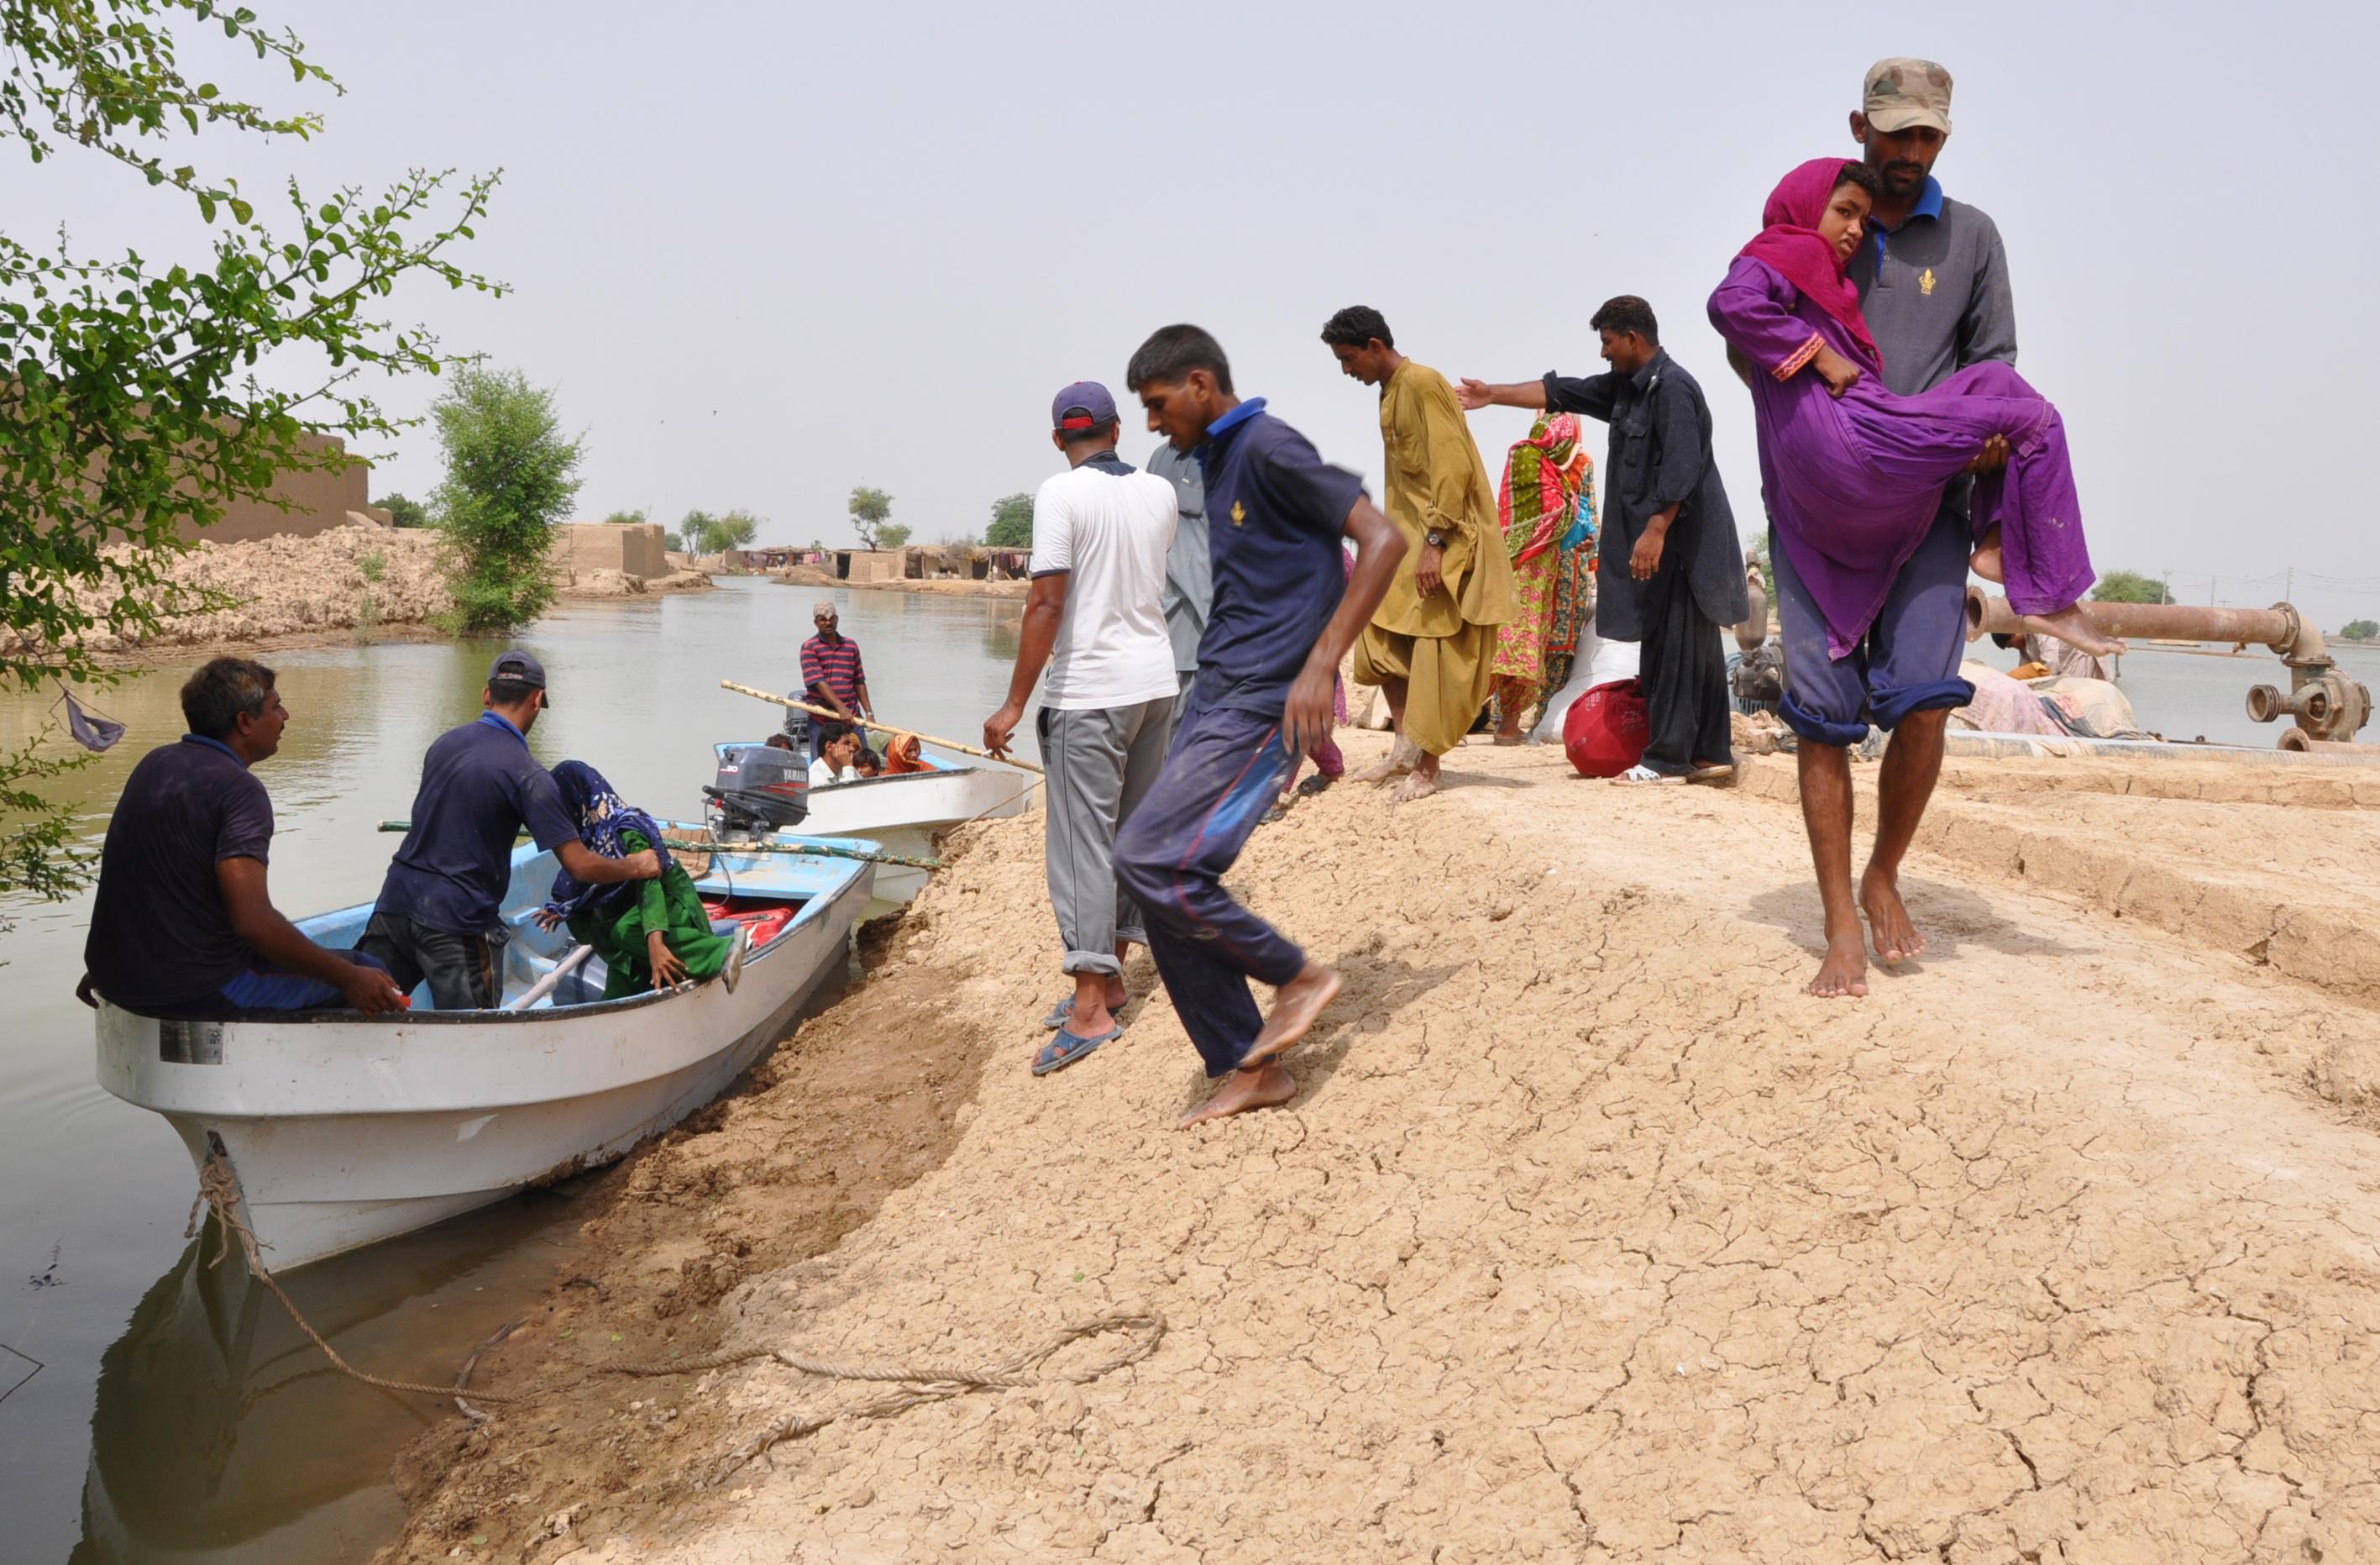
x=1670 y=571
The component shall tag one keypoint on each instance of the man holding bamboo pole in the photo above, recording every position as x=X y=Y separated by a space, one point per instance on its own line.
x=832 y=676
x=1096 y=616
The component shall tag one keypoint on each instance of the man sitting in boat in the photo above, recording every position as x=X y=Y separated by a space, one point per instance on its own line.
x=838 y=760
x=183 y=925
x=654 y=937
x=438 y=916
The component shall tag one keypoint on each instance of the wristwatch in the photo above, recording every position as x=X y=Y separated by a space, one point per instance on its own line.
x=1434 y=538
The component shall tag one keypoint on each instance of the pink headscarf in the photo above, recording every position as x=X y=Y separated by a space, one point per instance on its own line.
x=1789 y=240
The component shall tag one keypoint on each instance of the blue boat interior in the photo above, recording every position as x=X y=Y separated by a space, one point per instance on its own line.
x=738 y=883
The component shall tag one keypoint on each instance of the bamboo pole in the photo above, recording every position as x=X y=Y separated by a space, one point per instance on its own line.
x=819 y=849
x=879 y=728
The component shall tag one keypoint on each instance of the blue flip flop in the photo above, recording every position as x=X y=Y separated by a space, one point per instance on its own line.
x=1067 y=1047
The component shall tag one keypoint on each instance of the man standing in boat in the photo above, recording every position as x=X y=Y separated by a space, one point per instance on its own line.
x=1096 y=617
x=182 y=924
x=438 y=916
x=832 y=676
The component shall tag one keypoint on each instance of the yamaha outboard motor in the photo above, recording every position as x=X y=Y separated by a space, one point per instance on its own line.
x=760 y=789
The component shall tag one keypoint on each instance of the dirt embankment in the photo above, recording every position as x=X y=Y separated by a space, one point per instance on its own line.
x=348 y=581
x=623 y=584
x=1588 y=1238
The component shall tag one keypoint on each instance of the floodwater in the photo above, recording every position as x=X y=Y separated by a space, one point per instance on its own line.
x=154 y=1408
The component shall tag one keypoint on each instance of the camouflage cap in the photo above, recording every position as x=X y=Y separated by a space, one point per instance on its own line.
x=1902 y=92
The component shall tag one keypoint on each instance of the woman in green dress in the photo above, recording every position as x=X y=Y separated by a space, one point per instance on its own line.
x=650 y=933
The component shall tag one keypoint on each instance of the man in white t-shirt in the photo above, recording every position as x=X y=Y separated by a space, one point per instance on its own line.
x=1096 y=617
x=838 y=752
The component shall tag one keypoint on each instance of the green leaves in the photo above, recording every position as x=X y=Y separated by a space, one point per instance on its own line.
x=510 y=477
x=140 y=400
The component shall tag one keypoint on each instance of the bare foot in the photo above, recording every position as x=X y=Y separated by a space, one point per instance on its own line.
x=1420 y=783
x=1266 y=1086
x=1396 y=763
x=2074 y=626
x=1897 y=937
x=1985 y=561
x=1295 y=1006
x=1844 y=972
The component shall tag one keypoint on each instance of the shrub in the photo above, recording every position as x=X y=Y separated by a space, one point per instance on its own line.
x=510 y=477
x=2131 y=587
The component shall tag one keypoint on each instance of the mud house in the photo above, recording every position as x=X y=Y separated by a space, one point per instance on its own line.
x=302 y=503
x=582 y=547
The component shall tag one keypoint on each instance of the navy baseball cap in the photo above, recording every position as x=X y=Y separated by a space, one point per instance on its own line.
x=522 y=664
x=1083 y=405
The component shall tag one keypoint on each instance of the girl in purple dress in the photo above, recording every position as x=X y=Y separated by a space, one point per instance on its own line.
x=1853 y=475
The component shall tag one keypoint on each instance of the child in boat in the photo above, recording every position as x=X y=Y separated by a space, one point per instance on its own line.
x=1854 y=474
x=650 y=933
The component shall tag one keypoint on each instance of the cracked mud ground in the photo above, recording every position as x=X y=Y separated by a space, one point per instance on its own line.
x=1588 y=1237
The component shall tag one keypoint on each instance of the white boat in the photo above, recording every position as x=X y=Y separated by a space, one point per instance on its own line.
x=345 y=1129
x=906 y=812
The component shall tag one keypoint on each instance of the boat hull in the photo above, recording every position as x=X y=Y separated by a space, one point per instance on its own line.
x=343 y=1131
x=905 y=814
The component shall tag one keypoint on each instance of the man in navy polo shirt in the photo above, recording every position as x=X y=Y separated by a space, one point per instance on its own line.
x=182 y=924
x=439 y=914
x=1276 y=629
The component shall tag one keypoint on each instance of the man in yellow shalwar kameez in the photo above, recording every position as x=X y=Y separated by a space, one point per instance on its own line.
x=1431 y=644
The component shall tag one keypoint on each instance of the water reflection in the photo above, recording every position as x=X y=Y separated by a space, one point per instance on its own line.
x=219 y=1433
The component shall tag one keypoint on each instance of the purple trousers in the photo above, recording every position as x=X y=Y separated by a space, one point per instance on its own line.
x=1169 y=856
x=1855 y=484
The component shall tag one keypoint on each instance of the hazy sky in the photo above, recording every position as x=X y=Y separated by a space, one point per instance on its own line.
x=766 y=252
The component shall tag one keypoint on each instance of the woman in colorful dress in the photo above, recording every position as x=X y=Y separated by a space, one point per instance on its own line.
x=1546 y=505
x=650 y=933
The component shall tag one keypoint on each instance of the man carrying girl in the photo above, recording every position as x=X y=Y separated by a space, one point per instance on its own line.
x=1865 y=449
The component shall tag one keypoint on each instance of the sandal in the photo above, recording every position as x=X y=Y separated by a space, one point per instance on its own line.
x=1314 y=785
x=1067 y=1047
x=1714 y=772
x=1639 y=777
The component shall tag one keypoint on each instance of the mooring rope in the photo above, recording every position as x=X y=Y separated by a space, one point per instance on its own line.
x=219 y=1194
x=219 y=1191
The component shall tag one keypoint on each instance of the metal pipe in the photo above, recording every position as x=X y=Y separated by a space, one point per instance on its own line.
x=2297 y=742
x=2311 y=702
x=2326 y=704
x=547 y=984
x=2278 y=627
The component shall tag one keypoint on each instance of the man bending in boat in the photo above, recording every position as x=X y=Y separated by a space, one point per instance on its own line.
x=658 y=935
x=183 y=925
x=440 y=913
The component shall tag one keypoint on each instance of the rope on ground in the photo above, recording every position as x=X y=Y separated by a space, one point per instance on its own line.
x=219 y=1194
x=923 y=1383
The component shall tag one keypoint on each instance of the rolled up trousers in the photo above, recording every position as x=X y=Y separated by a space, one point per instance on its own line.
x=1171 y=857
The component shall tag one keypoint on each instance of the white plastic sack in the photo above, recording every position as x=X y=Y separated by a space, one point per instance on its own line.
x=1599 y=663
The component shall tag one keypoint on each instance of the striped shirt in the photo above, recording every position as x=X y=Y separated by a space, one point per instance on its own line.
x=836 y=667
